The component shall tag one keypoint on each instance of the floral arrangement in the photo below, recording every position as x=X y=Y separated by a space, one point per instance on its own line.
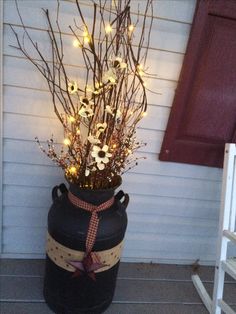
x=100 y=112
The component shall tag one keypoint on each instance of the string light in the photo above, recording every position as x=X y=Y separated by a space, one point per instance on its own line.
x=140 y=69
x=67 y=142
x=76 y=43
x=86 y=39
x=131 y=28
x=73 y=170
x=114 y=146
x=86 y=36
x=71 y=119
x=144 y=114
x=108 y=29
x=78 y=131
x=85 y=32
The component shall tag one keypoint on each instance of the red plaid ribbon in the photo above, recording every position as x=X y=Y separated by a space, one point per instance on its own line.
x=94 y=220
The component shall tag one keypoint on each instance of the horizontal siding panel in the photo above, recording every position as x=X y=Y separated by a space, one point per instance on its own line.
x=43 y=176
x=28 y=127
x=39 y=102
x=161 y=114
x=167 y=67
x=21 y=196
x=138 y=223
x=18 y=241
x=25 y=216
x=173 y=206
x=172 y=10
x=152 y=138
x=33 y=80
x=166 y=36
x=163 y=10
x=24 y=240
x=170 y=225
x=16 y=151
x=14 y=195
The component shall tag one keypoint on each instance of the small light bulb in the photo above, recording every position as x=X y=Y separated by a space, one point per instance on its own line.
x=131 y=28
x=86 y=39
x=144 y=114
x=139 y=67
x=78 y=131
x=85 y=32
x=108 y=29
x=72 y=119
x=72 y=170
x=67 y=142
x=145 y=84
x=114 y=146
x=76 y=43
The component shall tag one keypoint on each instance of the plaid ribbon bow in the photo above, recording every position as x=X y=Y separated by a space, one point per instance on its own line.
x=94 y=220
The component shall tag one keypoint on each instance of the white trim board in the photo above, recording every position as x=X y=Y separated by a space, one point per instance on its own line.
x=1 y=121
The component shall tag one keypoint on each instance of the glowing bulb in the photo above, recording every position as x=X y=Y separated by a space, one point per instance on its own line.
x=139 y=67
x=114 y=146
x=108 y=29
x=78 y=131
x=131 y=28
x=72 y=119
x=86 y=39
x=145 y=84
x=85 y=33
x=67 y=142
x=72 y=170
x=129 y=151
x=76 y=43
x=144 y=114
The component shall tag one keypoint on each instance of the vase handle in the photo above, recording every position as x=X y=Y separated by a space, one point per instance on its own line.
x=63 y=189
x=125 y=202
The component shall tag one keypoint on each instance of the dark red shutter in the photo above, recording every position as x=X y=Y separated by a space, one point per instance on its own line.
x=203 y=115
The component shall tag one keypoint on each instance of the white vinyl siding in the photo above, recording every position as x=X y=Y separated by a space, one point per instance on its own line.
x=173 y=213
x=1 y=121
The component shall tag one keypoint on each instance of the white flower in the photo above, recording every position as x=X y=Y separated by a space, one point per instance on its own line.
x=100 y=166
x=86 y=111
x=87 y=171
x=110 y=76
x=93 y=140
x=85 y=101
x=109 y=110
x=95 y=91
x=101 y=127
x=72 y=87
x=118 y=64
x=101 y=155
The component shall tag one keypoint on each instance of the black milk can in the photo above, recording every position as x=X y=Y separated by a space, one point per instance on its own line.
x=85 y=236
